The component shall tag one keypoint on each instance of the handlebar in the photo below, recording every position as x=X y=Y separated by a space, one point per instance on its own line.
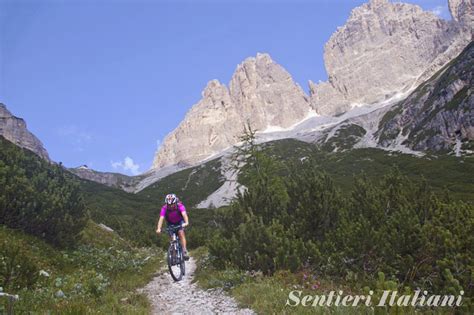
x=175 y=227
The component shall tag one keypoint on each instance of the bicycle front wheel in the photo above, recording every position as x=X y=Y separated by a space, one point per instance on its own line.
x=174 y=263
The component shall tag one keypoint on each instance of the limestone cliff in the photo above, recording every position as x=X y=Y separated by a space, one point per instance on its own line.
x=260 y=92
x=386 y=48
x=14 y=130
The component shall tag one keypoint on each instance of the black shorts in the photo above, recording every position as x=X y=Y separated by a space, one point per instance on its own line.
x=180 y=223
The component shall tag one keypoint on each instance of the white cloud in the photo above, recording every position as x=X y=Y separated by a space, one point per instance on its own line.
x=440 y=10
x=127 y=165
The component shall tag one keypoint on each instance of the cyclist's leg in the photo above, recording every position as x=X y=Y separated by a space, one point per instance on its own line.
x=182 y=238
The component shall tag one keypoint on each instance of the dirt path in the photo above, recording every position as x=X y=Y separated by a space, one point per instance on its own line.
x=169 y=297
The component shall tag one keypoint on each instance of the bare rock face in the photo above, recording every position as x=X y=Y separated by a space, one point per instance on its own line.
x=265 y=94
x=261 y=92
x=439 y=115
x=462 y=12
x=205 y=129
x=115 y=180
x=14 y=130
x=386 y=48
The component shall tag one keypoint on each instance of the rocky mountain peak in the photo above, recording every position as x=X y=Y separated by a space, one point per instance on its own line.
x=383 y=49
x=373 y=5
x=4 y=112
x=378 y=2
x=259 y=70
x=260 y=92
x=263 y=90
x=462 y=12
x=260 y=58
x=211 y=86
x=14 y=130
x=215 y=90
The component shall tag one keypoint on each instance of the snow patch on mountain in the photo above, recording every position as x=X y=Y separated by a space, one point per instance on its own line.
x=313 y=127
x=228 y=191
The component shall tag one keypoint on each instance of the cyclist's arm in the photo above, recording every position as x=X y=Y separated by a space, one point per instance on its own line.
x=186 y=219
x=160 y=223
x=182 y=209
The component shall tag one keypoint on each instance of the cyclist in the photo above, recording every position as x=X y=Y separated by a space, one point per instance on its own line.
x=175 y=214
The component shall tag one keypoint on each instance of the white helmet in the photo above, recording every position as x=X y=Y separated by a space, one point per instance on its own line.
x=171 y=199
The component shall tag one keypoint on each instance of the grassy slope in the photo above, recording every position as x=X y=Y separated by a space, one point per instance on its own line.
x=102 y=259
x=191 y=185
x=263 y=294
x=268 y=295
x=134 y=215
x=344 y=138
x=130 y=215
x=100 y=275
x=439 y=171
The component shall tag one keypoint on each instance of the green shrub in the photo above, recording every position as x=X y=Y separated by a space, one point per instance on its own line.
x=391 y=225
x=39 y=198
x=17 y=267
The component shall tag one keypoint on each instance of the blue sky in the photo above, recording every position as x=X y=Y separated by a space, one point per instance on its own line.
x=102 y=82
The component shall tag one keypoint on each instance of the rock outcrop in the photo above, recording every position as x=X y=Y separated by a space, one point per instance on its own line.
x=384 y=49
x=116 y=180
x=439 y=115
x=462 y=12
x=260 y=92
x=14 y=130
x=387 y=48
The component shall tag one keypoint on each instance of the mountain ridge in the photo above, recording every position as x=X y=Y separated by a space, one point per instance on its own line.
x=263 y=93
x=417 y=43
x=249 y=98
x=439 y=114
x=384 y=48
x=15 y=130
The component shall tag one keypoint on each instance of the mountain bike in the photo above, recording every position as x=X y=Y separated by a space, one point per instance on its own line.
x=175 y=255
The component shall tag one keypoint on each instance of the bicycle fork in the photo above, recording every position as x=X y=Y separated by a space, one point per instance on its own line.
x=175 y=250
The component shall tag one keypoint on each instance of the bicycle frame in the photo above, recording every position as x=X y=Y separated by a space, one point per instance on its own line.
x=175 y=253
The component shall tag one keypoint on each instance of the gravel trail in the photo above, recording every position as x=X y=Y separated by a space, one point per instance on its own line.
x=169 y=297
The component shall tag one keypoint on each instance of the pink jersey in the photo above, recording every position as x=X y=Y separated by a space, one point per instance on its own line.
x=173 y=216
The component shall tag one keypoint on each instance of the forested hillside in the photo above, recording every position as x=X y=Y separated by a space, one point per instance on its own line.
x=391 y=227
x=39 y=198
x=51 y=255
x=358 y=219
x=442 y=172
x=134 y=216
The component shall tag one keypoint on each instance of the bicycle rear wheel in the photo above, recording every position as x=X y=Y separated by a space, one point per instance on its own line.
x=174 y=262
x=183 y=264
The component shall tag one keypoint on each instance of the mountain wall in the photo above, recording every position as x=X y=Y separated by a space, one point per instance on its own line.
x=386 y=48
x=439 y=115
x=115 y=180
x=14 y=129
x=260 y=92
